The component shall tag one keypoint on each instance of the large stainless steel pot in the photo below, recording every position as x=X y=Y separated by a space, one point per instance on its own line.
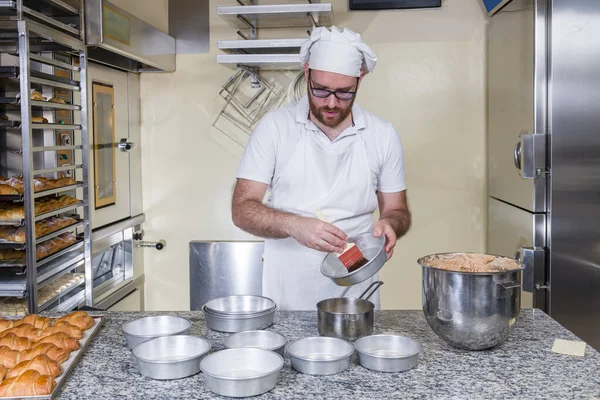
x=471 y=310
x=347 y=318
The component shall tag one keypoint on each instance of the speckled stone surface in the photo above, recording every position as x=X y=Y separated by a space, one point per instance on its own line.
x=524 y=367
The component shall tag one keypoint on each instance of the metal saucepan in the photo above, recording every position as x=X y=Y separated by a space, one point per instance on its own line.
x=347 y=318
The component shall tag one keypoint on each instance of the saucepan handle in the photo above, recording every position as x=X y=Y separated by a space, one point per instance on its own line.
x=510 y=285
x=376 y=284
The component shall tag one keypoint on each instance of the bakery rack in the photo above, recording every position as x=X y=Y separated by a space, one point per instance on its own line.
x=41 y=49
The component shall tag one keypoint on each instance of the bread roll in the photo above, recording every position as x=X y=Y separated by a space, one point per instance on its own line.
x=35 y=95
x=60 y=339
x=40 y=363
x=39 y=120
x=57 y=100
x=54 y=352
x=80 y=319
x=29 y=383
x=7 y=189
x=15 y=342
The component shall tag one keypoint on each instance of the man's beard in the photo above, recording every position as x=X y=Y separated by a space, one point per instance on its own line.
x=331 y=122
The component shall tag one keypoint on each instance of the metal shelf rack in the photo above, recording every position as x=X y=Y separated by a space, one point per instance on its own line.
x=38 y=41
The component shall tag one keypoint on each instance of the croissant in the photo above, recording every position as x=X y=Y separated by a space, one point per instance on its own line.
x=8 y=357
x=41 y=363
x=15 y=342
x=24 y=331
x=60 y=339
x=65 y=327
x=80 y=319
x=29 y=383
x=3 y=372
x=5 y=324
x=34 y=320
x=54 y=352
x=7 y=189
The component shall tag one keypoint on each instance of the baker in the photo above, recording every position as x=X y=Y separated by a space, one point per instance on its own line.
x=323 y=153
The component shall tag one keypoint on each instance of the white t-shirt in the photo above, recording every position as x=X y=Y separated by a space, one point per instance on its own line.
x=273 y=142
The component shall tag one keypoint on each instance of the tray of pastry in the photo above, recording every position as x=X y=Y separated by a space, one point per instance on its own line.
x=16 y=306
x=11 y=189
x=14 y=260
x=12 y=213
x=14 y=237
x=43 y=352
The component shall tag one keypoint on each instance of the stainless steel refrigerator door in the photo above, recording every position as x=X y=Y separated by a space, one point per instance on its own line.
x=516 y=66
x=514 y=232
x=220 y=269
x=575 y=178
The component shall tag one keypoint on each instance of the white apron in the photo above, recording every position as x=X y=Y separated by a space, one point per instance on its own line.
x=340 y=184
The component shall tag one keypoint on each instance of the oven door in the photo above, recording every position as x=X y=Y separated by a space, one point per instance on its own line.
x=109 y=134
x=112 y=264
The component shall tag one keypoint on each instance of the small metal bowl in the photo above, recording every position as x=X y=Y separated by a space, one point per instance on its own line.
x=241 y=372
x=144 y=329
x=372 y=249
x=171 y=357
x=265 y=340
x=231 y=324
x=387 y=353
x=240 y=305
x=320 y=355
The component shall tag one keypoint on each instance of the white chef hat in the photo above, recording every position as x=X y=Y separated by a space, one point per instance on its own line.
x=342 y=52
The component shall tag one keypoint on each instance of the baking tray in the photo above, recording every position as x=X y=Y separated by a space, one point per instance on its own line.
x=75 y=356
x=5 y=244
x=13 y=73
x=18 y=266
x=39 y=217
x=14 y=103
x=48 y=192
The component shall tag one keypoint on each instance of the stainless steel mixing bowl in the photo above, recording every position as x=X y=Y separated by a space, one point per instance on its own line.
x=320 y=355
x=371 y=248
x=241 y=372
x=387 y=353
x=171 y=357
x=265 y=340
x=144 y=329
x=471 y=310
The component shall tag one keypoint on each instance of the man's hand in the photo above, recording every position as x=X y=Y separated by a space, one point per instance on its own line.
x=384 y=227
x=317 y=234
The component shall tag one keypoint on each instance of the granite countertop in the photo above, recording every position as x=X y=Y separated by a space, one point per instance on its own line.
x=523 y=367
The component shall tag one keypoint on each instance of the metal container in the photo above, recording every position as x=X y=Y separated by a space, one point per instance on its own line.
x=387 y=353
x=144 y=329
x=346 y=317
x=471 y=310
x=265 y=340
x=240 y=305
x=372 y=249
x=171 y=357
x=320 y=355
x=231 y=324
x=241 y=372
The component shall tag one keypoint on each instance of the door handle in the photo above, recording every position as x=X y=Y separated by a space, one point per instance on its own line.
x=517 y=155
x=124 y=145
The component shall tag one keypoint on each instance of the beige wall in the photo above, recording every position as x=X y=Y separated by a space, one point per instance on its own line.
x=429 y=82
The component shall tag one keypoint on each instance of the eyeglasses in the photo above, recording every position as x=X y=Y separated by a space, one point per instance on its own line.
x=325 y=93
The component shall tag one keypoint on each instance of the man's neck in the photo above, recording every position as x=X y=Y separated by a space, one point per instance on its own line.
x=332 y=132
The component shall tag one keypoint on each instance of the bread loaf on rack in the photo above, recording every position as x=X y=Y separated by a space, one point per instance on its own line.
x=7 y=189
x=60 y=339
x=39 y=120
x=29 y=383
x=39 y=183
x=43 y=249
x=62 y=326
x=42 y=228
x=80 y=319
x=40 y=363
x=15 y=342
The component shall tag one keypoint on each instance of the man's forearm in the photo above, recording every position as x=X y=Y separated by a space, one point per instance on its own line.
x=399 y=219
x=256 y=218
